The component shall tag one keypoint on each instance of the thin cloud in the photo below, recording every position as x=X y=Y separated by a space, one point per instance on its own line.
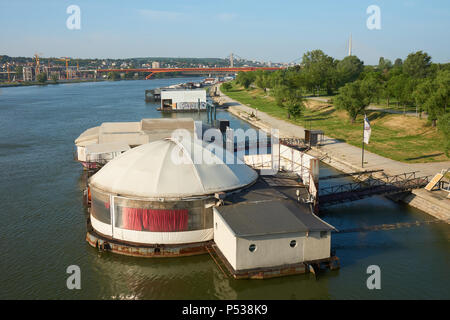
x=227 y=17
x=160 y=15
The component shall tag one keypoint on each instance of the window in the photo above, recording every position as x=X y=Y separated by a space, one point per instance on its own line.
x=323 y=234
x=293 y=243
x=252 y=248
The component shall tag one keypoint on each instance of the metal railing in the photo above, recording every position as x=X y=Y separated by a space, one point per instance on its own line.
x=370 y=187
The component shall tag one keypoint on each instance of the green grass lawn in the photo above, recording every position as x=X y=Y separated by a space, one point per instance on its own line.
x=397 y=137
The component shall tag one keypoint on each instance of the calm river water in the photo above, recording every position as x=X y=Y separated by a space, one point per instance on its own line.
x=42 y=229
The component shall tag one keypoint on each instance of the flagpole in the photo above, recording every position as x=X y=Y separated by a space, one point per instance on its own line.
x=362 y=154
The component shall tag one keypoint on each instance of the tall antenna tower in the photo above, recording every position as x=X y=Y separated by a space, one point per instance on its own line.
x=350 y=46
x=231 y=60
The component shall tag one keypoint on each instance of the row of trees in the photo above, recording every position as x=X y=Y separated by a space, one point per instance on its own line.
x=415 y=82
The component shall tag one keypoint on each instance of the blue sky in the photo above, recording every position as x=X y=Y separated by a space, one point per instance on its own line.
x=279 y=31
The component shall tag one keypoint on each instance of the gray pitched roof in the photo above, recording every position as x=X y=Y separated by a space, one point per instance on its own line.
x=270 y=217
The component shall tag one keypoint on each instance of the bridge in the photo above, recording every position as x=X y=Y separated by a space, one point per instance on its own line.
x=370 y=187
x=153 y=71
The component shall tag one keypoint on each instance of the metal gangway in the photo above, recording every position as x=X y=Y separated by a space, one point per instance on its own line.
x=371 y=187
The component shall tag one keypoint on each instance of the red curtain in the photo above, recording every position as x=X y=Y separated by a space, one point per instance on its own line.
x=154 y=220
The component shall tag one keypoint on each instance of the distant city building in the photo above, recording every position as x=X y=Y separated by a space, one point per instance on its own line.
x=155 y=65
x=28 y=73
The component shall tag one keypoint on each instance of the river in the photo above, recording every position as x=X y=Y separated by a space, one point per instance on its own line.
x=42 y=229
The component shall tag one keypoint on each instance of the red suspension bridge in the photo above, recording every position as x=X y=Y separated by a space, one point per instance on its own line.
x=196 y=70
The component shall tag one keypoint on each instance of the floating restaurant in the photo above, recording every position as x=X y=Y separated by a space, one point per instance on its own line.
x=183 y=100
x=158 y=200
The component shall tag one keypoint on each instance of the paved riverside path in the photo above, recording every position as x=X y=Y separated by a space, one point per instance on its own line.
x=340 y=151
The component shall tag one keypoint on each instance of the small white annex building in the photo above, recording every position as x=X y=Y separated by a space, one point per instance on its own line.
x=183 y=99
x=266 y=234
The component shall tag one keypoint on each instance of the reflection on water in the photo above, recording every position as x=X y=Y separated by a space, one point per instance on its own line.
x=43 y=221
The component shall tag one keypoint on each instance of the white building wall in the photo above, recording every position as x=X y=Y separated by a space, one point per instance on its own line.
x=101 y=227
x=301 y=163
x=132 y=139
x=81 y=153
x=146 y=237
x=305 y=165
x=224 y=239
x=184 y=95
x=317 y=247
x=271 y=251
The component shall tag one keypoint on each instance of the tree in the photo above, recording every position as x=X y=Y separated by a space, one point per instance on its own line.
x=398 y=63
x=290 y=99
x=41 y=77
x=442 y=82
x=421 y=94
x=321 y=71
x=356 y=96
x=417 y=64
x=113 y=75
x=349 y=69
x=54 y=78
x=226 y=86
x=245 y=79
x=444 y=127
x=262 y=81
x=401 y=87
x=279 y=93
x=295 y=108
x=384 y=64
x=377 y=82
x=19 y=72
x=438 y=98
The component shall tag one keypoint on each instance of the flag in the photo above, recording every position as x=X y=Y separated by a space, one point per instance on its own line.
x=367 y=130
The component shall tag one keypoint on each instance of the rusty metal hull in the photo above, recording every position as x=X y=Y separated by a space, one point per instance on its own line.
x=145 y=251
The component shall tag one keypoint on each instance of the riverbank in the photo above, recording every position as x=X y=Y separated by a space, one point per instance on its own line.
x=394 y=136
x=44 y=203
x=50 y=82
x=29 y=84
x=347 y=158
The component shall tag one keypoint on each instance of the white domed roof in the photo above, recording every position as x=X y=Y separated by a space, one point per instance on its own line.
x=151 y=171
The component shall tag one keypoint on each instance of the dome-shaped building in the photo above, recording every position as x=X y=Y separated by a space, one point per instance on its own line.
x=157 y=199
